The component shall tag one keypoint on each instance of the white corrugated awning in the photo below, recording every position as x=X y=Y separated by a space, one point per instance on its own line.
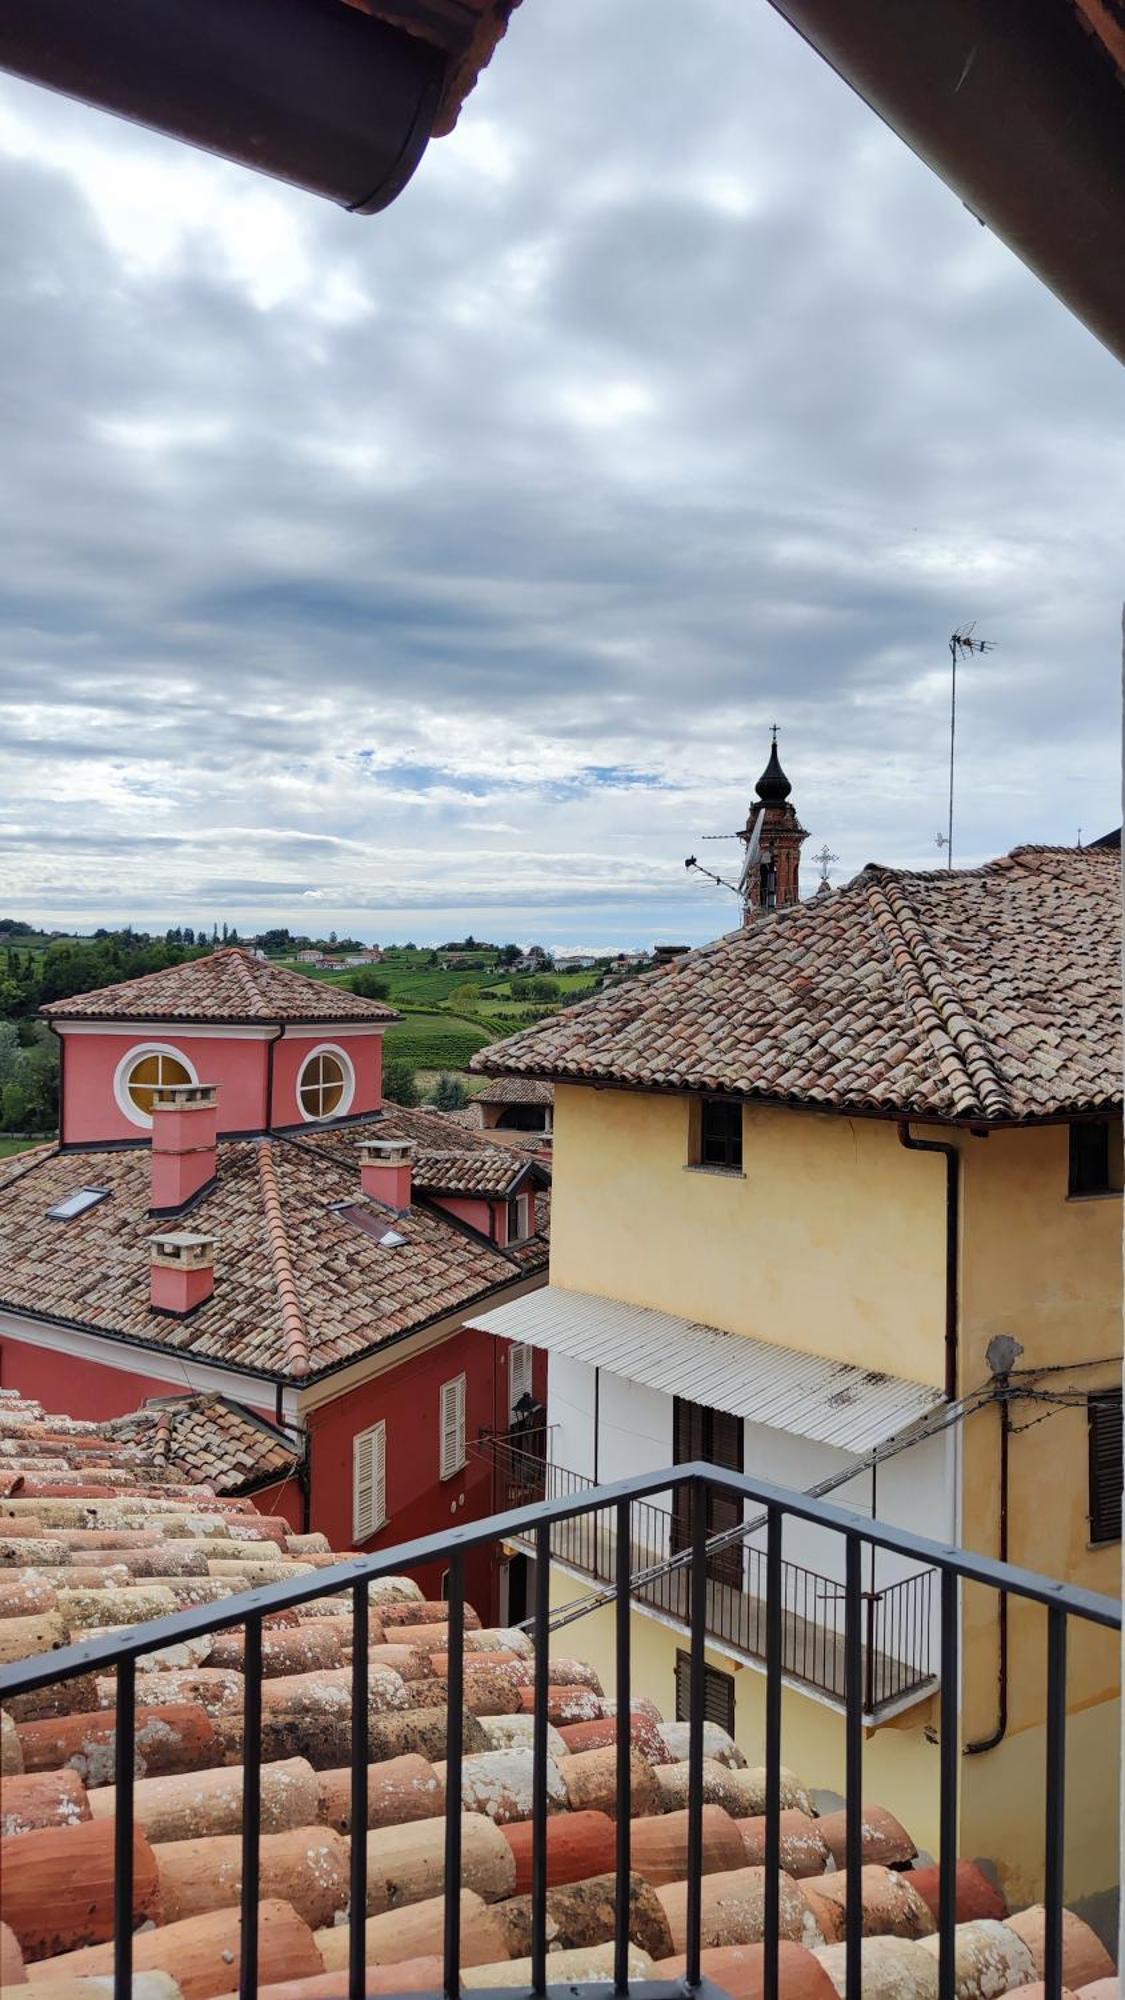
x=831 y=1402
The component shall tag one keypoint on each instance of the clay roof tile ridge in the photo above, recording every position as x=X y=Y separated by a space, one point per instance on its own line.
x=297 y=1353
x=960 y=1048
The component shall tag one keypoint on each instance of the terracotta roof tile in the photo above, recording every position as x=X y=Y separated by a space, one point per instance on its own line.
x=289 y=1255
x=516 y=1090
x=228 y=985
x=988 y=994
x=491 y=1170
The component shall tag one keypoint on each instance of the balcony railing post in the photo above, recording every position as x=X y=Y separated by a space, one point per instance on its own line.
x=251 y=1803
x=853 y=1696
x=624 y=1749
x=357 y=1902
x=869 y=1655
x=539 y=1762
x=1055 y=1814
x=698 y=1611
x=774 y=1616
x=124 y=1754
x=455 y=1737
x=950 y=1761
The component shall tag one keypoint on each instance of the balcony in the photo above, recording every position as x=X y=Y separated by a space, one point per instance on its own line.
x=700 y=1901
x=898 y=1621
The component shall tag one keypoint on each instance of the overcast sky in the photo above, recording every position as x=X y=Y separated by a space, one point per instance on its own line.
x=444 y=569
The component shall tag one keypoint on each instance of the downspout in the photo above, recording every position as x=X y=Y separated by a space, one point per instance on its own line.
x=304 y=1481
x=1001 y=1729
x=952 y=1232
x=270 y=1047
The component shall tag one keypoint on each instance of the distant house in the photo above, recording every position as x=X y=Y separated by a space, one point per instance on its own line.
x=235 y=1210
x=575 y=961
x=310 y=958
x=516 y=1104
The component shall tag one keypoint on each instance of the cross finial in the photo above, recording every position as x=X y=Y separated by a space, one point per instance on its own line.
x=773 y=731
x=824 y=862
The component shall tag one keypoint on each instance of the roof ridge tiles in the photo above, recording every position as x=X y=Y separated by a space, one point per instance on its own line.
x=297 y=1355
x=975 y=1080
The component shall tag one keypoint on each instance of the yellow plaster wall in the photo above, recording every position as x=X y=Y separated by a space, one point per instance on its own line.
x=832 y=1242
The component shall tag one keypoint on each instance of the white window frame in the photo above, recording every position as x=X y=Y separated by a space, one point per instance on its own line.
x=369 y=1467
x=522 y=1203
x=125 y=1070
x=520 y=1362
x=348 y=1070
x=451 y=1427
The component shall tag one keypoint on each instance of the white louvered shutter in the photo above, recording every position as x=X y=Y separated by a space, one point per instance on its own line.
x=519 y=1375
x=452 y=1420
x=369 y=1482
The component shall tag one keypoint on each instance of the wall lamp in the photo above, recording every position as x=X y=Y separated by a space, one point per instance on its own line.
x=313 y=92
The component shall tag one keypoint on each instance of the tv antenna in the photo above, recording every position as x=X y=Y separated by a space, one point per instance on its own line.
x=962 y=645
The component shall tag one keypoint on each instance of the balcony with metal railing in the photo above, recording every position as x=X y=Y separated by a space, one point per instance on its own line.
x=113 y=1658
x=898 y=1641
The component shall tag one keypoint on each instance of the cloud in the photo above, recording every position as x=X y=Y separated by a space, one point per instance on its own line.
x=453 y=563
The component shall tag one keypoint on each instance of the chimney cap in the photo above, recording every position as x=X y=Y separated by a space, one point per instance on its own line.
x=385 y=1152
x=181 y=1249
x=184 y=1096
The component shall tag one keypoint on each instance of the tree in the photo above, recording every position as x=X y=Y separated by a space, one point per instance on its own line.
x=276 y=943
x=510 y=954
x=465 y=995
x=400 y=1084
x=450 y=1093
x=539 y=988
x=368 y=984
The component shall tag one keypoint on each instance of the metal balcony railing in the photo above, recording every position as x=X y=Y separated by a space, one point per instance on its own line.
x=898 y=1620
x=118 y=1653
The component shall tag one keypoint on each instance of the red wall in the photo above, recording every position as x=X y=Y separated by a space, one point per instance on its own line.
x=69 y=1386
x=419 y=1502
x=286 y=1499
x=237 y=1065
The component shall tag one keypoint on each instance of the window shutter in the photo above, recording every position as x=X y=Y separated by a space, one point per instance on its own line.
x=1105 y=1466
x=687 y=1431
x=452 y=1419
x=726 y=1440
x=369 y=1482
x=519 y=1374
x=718 y=1694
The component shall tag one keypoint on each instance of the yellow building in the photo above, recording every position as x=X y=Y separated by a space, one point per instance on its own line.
x=837 y=1201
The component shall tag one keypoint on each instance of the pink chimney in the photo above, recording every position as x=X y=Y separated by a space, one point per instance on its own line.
x=387 y=1171
x=184 y=1157
x=182 y=1274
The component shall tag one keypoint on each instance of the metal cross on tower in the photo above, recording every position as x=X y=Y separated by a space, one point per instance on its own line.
x=824 y=862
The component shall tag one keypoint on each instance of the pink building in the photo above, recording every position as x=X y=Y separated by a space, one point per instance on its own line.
x=233 y=1210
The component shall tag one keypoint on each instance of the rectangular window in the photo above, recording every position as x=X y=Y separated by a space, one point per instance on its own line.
x=1095 y=1157
x=1104 y=1412
x=519 y=1225
x=452 y=1423
x=369 y=1482
x=718 y=1694
x=519 y=1375
x=719 y=1142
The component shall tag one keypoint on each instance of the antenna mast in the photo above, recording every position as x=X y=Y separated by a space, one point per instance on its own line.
x=961 y=643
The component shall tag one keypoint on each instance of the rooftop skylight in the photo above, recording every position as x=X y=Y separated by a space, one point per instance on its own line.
x=76 y=1204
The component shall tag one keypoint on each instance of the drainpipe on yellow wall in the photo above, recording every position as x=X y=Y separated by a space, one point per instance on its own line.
x=952 y=1233
x=1002 y=1355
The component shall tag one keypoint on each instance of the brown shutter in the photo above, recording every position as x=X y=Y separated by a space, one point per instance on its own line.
x=687 y=1431
x=1105 y=1466
x=718 y=1694
x=726 y=1440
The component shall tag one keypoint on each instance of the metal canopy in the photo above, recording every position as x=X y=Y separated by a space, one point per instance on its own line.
x=830 y=1402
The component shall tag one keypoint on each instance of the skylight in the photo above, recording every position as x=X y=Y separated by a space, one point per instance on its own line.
x=76 y=1204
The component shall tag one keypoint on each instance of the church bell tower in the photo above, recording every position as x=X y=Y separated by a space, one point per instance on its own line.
x=773 y=837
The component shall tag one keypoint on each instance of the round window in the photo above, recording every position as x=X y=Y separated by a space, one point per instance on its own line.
x=145 y=1076
x=325 y=1084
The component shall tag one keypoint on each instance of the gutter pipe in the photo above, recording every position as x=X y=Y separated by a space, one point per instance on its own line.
x=952 y=1234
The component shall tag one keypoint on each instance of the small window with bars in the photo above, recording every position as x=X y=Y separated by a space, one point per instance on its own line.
x=718 y=1694
x=452 y=1423
x=369 y=1482
x=717 y=1134
x=1104 y=1413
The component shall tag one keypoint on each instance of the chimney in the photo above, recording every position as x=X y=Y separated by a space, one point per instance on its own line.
x=182 y=1274
x=184 y=1157
x=387 y=1171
